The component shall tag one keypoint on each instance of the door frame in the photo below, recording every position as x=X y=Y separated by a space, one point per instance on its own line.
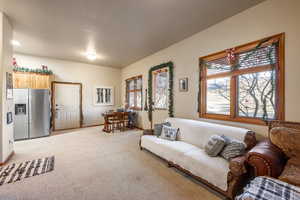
x=53 y=103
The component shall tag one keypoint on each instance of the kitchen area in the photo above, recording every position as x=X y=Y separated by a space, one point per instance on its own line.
x=32 y=102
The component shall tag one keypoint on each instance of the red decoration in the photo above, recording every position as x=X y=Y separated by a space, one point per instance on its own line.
x=15 y=62
x=231 y=56
x=44 y=67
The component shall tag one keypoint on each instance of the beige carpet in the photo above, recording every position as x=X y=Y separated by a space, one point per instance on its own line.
x=92 y=165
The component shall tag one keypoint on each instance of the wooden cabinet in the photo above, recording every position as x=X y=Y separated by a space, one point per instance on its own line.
x=32 y=80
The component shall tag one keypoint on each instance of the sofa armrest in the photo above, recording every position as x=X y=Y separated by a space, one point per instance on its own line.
x=237 y=165
x=266 y=159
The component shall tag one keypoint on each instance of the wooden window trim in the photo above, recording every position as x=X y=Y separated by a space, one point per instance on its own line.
x=134 y=91
x=155 y=73
x=280 y=101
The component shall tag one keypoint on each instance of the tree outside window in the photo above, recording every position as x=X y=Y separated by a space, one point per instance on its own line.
x=161 y=85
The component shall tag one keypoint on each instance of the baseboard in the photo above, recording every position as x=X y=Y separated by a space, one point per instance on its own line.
x=139 y=128
x=8 y=158
x=87 y=126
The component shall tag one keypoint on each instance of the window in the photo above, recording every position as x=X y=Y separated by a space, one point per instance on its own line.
x=134 y=93
x=161 y=85
x=245 y=83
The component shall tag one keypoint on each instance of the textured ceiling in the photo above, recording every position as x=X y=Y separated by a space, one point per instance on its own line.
x=121 y=31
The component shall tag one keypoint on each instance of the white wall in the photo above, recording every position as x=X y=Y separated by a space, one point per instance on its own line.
x=6 y=130
x=87 y=74
x=266 y=19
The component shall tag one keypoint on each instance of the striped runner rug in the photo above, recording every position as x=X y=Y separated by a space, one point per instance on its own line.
x=16 y=172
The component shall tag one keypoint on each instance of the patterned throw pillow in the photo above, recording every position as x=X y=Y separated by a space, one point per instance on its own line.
x=214 y=145
x=233 y=149
x=169 y=133
x=158 y=128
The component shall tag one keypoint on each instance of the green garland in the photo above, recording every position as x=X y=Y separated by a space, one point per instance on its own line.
x=37 y=71
x=170 y=66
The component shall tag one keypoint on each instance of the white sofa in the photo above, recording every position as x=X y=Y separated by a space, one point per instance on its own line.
x=188 y=151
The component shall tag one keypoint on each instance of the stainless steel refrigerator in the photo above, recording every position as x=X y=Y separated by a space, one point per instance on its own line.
x=32 y=113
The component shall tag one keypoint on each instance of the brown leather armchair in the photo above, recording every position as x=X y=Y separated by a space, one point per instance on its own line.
x=266 y=158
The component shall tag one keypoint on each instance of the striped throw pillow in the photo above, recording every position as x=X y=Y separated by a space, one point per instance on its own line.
x=233 y=149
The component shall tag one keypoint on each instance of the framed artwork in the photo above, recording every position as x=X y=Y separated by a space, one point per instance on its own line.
x=9 y=86
x=103 y=96
x=183 y=85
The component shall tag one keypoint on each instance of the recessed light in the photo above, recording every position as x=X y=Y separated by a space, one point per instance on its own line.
x=15 y=43
x=91 y=55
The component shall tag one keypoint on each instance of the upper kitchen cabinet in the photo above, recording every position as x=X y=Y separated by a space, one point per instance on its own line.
x=32 y=80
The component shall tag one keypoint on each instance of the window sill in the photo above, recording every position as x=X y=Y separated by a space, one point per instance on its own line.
x=245 y=120
x=160 y=108
x=136 y=109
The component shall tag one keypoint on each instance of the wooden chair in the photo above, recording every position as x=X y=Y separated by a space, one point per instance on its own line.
x=121 y=120
x=110 y=120
x=126 y=120
x=114 y=121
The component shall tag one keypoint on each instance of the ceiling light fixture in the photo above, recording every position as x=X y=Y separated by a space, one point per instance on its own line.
x=91 y=55
x=15 y=43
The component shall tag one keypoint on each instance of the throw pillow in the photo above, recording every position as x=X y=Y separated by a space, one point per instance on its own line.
x=226 y=138
x=169 y=133
x=233 y=149
x=158 y=128
x=214 y=145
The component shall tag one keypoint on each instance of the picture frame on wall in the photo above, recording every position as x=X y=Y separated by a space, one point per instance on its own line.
x=9 y=86
x=183 y=85
x=103 y=96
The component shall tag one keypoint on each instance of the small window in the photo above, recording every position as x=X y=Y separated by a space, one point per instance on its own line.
x=245 y=83
x=161 y=85
x=134 y=93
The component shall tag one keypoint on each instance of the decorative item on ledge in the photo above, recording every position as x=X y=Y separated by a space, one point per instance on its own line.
x=170 y=67
x=44 y=71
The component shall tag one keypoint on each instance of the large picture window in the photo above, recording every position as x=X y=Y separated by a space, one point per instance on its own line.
x=245 y=83
x=134 y=91
x=161 y=86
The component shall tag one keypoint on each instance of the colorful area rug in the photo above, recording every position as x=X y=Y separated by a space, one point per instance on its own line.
x=16 y=172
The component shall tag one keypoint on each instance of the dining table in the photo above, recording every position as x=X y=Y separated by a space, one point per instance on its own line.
x=116 y=120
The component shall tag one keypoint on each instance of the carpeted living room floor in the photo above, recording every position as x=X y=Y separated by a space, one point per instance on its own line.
x=90 y=165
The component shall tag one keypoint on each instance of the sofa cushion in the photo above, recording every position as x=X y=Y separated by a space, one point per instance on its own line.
x=169 y=150
x=291 y=172
x=169 y=133
x=158 y=128
x=198 y=132
x=214 y=145
x=212 y=169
